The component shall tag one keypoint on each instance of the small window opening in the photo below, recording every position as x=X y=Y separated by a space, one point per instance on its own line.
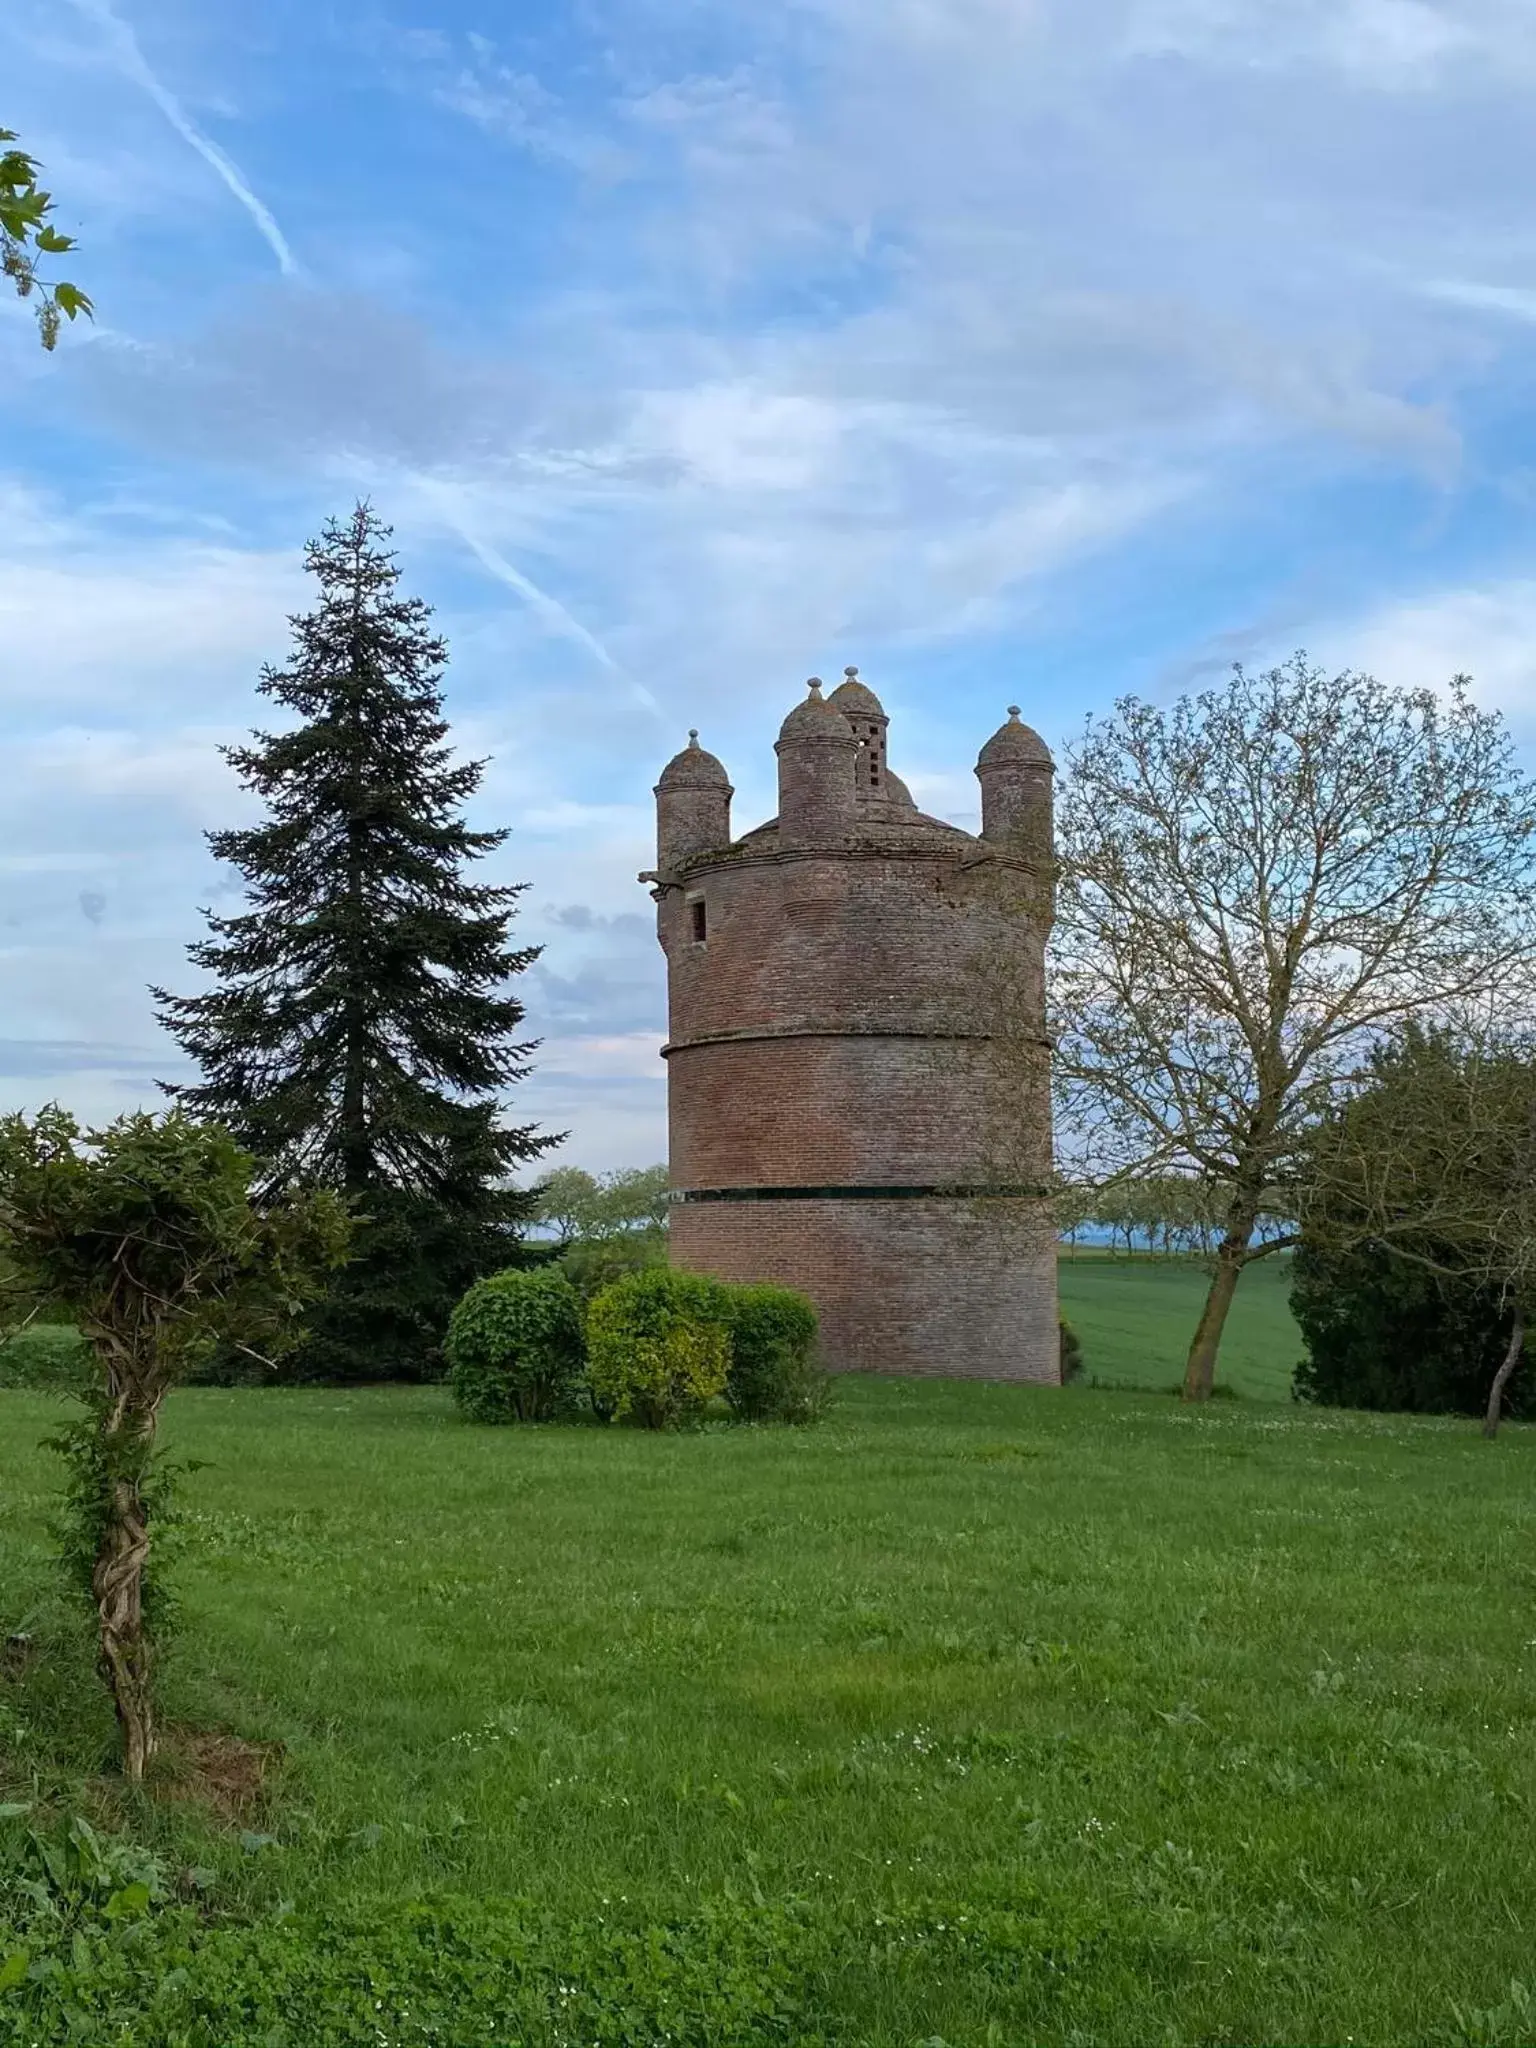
x=700 y=924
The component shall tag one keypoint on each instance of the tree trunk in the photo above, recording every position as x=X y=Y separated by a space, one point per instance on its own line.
x=125 y=1434
x=118 y=1584
x=1502 y=1377
x=1231 y=1253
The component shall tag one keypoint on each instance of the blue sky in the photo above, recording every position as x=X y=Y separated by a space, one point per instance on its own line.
x=1017 y=350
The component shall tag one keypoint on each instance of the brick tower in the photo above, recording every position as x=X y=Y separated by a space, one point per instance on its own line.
x=839 y=1116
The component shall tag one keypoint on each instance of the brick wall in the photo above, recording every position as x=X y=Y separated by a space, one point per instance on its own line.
x=945 y=1287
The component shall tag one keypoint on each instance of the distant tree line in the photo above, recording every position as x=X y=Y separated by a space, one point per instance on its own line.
x=573 y=1206
x=1170 y=1214
x=601 y=1226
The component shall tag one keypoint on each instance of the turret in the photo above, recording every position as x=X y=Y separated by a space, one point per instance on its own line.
x=693 y=806
x=818 y=758
x=866 y=714
x=1015 y=769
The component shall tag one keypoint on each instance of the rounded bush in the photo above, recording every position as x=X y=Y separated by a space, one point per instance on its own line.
x=658 y=1346
x=773 y=1376
x=514 y=1346
x=1071 y=1353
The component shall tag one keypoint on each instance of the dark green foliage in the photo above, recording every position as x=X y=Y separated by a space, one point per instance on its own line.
x=658 y=1347
x=1071 y=1353
x=1386 y=1332
x=359 y=1031
x=386 y=1321
x=515 y=1346
x=1416 y=1230
x=591 y=1264
x=773 y=1375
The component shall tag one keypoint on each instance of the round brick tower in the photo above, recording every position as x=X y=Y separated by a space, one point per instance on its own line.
x=840 y=1120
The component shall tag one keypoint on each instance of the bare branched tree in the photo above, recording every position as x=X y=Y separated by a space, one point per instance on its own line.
x=1255 y=885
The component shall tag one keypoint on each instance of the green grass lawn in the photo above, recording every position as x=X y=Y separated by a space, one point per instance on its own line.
x=985 y=1716
x=1136 y=1316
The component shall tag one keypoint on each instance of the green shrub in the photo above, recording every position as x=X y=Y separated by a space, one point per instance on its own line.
x=773 y=1375
x=514 y=1346
x=596 y=1262
x=1071 y=1353
x=658 y=1346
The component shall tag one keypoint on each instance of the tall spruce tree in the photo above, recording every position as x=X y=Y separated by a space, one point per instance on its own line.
x=360 y=1027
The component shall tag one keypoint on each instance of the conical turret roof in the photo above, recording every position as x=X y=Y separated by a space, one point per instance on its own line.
x=815 y=719
x=693 y=768
x=1015 y=744
x=855 y=699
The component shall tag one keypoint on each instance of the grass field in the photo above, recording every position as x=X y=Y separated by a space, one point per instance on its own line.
x=979 y=1716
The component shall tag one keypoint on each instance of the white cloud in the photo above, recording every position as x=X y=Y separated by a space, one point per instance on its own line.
x=516 y=106
x=629 y=1056
x=1385 y=44
x=1487 y=631
x=1517 y=301
x=101 y=622
x=181 y=773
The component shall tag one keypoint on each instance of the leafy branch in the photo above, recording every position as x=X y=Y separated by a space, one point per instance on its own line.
x=27 y=234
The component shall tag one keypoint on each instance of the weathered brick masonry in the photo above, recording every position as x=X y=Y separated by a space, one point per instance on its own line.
x=840 y=1119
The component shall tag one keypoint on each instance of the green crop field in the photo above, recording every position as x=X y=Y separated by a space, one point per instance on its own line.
x=1136 y=1316
x=981 y=1716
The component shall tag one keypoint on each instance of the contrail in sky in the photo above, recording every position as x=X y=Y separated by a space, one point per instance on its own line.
x=446 y=501
x=130 y=57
